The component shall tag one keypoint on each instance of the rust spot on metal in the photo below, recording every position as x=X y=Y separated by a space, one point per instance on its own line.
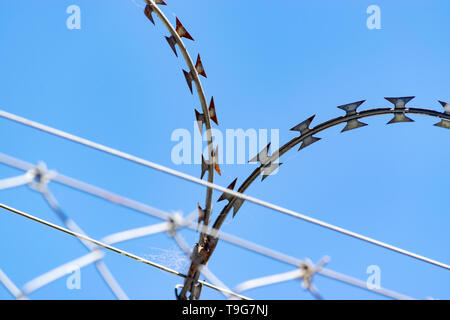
x=199 y=67
x=212 y=111
x=181 y=30
x=216 y=160
x=148 y=13
x=148 y=10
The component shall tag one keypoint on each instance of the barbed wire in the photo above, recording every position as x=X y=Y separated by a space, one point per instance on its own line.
x=93 y=256
x=234 y=195
x=97 y=255
x=209 y=113
x=188 y=222
x=267 y=166
x=306 y=138
x=270 y=164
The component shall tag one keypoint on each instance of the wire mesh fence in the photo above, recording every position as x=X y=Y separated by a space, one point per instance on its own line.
x=39 y=178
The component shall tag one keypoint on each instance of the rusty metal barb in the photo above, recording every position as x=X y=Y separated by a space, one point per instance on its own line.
x=208 y=113
x=148 y=10
x=189 y=76
x=194 y=71
x=201 y=118
x=199 y=66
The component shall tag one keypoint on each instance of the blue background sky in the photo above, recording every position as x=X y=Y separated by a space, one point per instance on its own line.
x=270 y=65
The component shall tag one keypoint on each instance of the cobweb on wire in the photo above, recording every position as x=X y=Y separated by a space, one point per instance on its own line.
x=172 y=257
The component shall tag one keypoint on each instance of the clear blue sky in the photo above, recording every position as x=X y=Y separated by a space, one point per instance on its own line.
x=270 y=65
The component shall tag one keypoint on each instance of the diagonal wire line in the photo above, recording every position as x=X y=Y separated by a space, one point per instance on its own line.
x=136 y=233
x=10 y=286
x=269 y=280
x=305 y=272
x=277 y=256
x=297 y=274
x=162 y=227
x=89 y=189
x=144 y=208
x=182 y=175
x=161 y=16
x=153 y=229
x=61 y=271
x=87 y=259
x=361 y=284
x=278 y=278
x=140 y=207
x=18 y=181
x=100 y=265
x=92 y=257
x=111 y=248
x=86 y=238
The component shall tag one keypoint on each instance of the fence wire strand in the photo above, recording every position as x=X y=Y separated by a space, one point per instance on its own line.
x=94 y=256
x=100 y=265
x=188 y=222
x=172 y=225
x=138 y=232
x=184 y=176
